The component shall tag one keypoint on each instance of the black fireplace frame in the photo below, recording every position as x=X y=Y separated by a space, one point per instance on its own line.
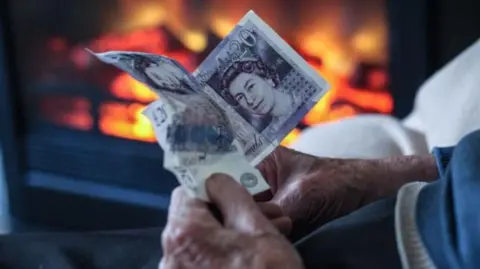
x=11 y=117
x=417 y=35
x=36 y=199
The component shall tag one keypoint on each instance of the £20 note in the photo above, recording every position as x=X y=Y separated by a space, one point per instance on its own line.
x=264 y=86
x=194 y=132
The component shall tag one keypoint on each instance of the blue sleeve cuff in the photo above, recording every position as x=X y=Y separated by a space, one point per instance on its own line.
x=442 y=158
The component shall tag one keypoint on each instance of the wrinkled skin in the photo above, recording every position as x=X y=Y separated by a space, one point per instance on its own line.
x=246 y=239
x=311 y=190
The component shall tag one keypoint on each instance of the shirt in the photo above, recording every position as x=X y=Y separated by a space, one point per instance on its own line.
x=412 y=251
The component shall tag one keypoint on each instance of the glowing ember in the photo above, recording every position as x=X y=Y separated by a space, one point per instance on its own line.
x=195 y=41
x=291 y=137
x=127 y=88
x=72 y=112
x=125 y=121
x=57 y=44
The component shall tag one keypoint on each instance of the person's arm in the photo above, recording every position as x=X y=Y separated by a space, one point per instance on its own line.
x=372 y=180
x=314 y=190
x=384 y=177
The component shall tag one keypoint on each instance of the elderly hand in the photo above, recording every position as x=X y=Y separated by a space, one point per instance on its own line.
x=276 y=216
x=310 y=190
x=313 y=191
x=194 y=238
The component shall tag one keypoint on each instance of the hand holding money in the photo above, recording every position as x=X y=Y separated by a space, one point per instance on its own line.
x=236 y=108
x=194 y=238
x=194 y=132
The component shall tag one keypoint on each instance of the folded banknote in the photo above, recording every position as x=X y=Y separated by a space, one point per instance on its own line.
x=233 y=111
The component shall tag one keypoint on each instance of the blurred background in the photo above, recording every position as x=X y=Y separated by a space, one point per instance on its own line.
x=78 y=154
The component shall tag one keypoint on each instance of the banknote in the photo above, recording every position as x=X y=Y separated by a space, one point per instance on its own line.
x=233 y=111
x=195 y=152
x=183 y=104
x=194 y=132
x=165 y=76
x=265 y=87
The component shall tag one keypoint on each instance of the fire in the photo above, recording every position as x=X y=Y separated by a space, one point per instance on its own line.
x=291 y=137
x=149 y=39
x=333 y=58
x=221 y=27
x=125 y=87
x=125 y=121
x=76 y=111
x=195 y=41
x=149 y=26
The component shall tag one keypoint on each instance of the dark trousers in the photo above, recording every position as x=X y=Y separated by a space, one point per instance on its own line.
x=355 y=241
x=364 y=239
x=359 y=240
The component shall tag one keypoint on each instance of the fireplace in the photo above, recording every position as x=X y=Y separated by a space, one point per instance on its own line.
x=85 y=137
x=345 y=41
x=82 y=151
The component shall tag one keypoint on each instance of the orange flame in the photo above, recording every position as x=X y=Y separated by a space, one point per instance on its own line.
x=127 y=88
x=72 y=112
x=125 y=121
x=291 y=137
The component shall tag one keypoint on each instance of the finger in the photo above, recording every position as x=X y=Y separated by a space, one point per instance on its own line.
x=267 y=166
x=187 y=209
x=161 y=264
x=263 y=196
x=238 y=209
x=283 y=224
x=269 y=169
x=270 y=210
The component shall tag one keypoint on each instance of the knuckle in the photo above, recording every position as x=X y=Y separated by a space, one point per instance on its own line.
x=177 y=236
x=307 y=188
x=299 y=188
x=168 y=263
x=182 y=247
x=177 y=193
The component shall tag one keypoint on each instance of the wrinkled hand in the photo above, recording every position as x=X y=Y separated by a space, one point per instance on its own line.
x=274 y=213
x=310 y=190
x=194 y=238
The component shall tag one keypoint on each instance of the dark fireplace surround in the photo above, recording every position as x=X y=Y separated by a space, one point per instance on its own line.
x=424 y=35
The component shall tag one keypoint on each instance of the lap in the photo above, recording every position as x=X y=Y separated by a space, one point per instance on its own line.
x=365 y=237
x=115 y=250
x=362 y=239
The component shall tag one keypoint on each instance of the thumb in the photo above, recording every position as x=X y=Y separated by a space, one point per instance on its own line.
x=237 y=206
